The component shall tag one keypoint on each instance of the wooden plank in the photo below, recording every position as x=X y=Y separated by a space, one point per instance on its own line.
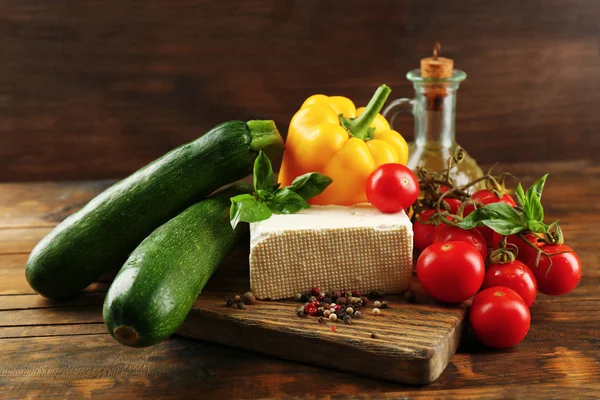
x=44 y=204
x=35 y=331
x=34 y=301
x=89 y=94
x=13 y=282
x=84 y=366
x=21 y=240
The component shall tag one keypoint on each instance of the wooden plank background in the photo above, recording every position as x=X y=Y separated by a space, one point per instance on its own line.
x=96 y=89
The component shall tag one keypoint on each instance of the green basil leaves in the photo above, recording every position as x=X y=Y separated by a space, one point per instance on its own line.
x=506 y=220
x=269 y=198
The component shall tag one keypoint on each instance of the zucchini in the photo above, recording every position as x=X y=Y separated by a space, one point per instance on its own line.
x=156 y=288
x=102 y=234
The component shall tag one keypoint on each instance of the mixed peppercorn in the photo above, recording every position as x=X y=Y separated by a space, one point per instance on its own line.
x=337 y=304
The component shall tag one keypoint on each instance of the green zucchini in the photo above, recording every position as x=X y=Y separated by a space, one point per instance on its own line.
x=156 y=288
x=102 y=234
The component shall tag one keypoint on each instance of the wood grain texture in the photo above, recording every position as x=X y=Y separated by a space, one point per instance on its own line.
x=97 y=89
x=560 y=357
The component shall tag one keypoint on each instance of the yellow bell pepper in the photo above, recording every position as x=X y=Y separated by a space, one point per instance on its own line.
x=330 y=136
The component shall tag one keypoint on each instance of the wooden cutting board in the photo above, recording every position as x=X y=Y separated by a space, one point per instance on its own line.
x=413 y=342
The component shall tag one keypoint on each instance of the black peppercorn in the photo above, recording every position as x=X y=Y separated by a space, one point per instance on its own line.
x=312 y=299
x=303 y=297
x=410 y=296
x=327 y=300
x=300 y=311
x=321 y=320
x=347 y=319
x=384 y=305
x=373 y=336
x=298 y=297
x=320 y=311
x=241 y=305
x=229 y=302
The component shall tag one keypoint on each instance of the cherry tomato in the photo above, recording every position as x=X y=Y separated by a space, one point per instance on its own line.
x=423 y=233
x=499 y=317
x=450 y=272
x=559 y=276
x=516 y=276
x=487 y=197
x=525 y=251
x=446 y=233
x=453 y=204
x=392 y=188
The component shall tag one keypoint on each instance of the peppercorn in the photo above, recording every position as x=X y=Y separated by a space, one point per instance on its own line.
x=364 y=299
x=326 y=313
x=349 y=310
x=384 y=305
x=332 y=317
x=376 y=311
x=303 y=297
x=229 y=302
x=354 y=300
x=321 y=320
x=237 y=298
x=339 y=313
x=347 y=319
x=241 y=305
x=300 y=311
x=342 y=293
x=315 y=291
x=410 y=296
x=320 y=298
x=312 y=299
x=320 y=311
x=342 y=301
x=335 y=307
x=373 y=336
x=248 y=298
x=377 y=304
x=326 y=306
x=327 y=300
x=356 y=292
x=343 y=308
x=298 y=297
x=357 y=314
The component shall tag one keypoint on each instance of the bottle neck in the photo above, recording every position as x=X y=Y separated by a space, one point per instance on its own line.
x=435 y=114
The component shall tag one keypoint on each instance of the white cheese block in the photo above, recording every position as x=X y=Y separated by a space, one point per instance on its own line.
x=330 y=247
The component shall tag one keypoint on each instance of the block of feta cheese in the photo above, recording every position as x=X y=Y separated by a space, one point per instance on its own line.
x=330 y=247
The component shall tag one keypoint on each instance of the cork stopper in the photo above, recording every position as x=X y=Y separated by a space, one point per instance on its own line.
x=437 y=67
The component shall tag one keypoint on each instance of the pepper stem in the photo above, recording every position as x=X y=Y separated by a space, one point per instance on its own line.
x=360 y=127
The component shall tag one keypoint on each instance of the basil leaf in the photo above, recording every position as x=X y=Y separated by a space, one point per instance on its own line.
x=534 y=210
x=537 y=226
x=500 y=217
x=310 y=185
x=247 y=208
x=521 y=199
x=503 y=227
x=263 y=173
x=536 y=189
x=285 y=201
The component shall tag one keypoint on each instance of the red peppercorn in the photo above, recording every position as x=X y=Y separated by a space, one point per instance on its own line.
x=310 y=309
x=315 y=291
x=317 y=303
x=356 y=293
x=335 y=306
x=342 y=293
x=320 y=298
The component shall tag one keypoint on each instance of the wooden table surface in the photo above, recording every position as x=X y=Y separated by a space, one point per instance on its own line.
x=61 y=349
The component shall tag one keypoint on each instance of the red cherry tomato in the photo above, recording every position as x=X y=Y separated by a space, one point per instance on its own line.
x=423 y=233
x=516 y=276
x=392 y=188
x=446 y=233
x=559 y=276
x=450 y=272
x=525 y=251
x=453 y=204
x=499 y=317
x=487 y=197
